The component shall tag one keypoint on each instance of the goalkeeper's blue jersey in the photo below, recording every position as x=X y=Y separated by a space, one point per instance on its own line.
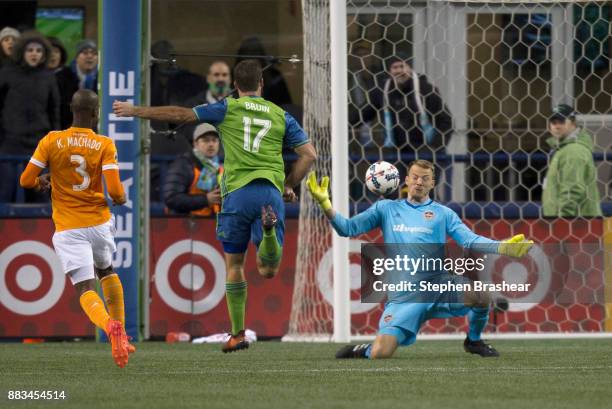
x=405 y=222
x=420 y=225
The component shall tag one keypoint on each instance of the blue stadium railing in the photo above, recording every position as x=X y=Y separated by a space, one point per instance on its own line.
x=490 y=210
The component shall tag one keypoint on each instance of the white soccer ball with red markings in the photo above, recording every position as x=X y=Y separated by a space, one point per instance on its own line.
x=382 y=178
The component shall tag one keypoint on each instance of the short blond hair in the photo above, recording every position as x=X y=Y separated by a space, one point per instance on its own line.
x=425 y=164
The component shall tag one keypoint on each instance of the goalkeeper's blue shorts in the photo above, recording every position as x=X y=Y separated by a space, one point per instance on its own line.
x=403 y=320
x=239 y=220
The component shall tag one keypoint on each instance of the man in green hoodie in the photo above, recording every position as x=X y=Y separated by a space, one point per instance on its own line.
x=570 y=187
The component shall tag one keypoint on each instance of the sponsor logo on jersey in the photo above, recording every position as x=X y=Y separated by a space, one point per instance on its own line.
x=429 y=215
x=402 y=228
x=387 y=319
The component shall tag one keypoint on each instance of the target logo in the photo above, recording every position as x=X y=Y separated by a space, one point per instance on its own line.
x=534 y=265
x=325 y=275
x=31 y=278
x=190 y=277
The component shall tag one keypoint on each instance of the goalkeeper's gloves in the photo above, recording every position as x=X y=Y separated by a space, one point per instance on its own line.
x=319 y=192
x=516 y=246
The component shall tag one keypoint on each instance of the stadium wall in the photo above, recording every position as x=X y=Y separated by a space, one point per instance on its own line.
x=187 y=283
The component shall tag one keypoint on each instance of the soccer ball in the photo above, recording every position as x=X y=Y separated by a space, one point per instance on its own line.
x=382 y=178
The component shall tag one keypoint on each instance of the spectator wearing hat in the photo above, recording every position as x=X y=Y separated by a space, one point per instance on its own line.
x=29 y=107
x=85 y=65
x=8 y=37
x=192 y=182
x=67 y=80
x=570 y=186
x=414 y=116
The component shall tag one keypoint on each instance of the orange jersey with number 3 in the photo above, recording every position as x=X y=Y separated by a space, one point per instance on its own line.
x=76 y=158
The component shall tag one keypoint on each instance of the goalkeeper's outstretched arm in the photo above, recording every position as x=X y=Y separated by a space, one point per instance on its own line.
x=516 y=246
x=362 y=223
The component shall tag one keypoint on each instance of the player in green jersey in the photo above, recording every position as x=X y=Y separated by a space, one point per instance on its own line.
x=253 y=133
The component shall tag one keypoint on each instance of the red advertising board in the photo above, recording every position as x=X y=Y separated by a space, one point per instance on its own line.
x=36 y=298
x=187 y=283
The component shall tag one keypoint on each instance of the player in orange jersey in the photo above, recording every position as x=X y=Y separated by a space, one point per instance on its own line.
x=84 y=227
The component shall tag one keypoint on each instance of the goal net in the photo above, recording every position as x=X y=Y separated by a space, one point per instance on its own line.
x=486 y=75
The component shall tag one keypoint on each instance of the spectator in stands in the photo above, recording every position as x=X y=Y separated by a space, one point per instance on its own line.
x=413 y=114
x=192 y=182
x=170 y=85
x=8 y=37
x=275 y=88
x=29 y=107
x=85 y=65
x=217 y=87
x=67 y=80
x=570 y=186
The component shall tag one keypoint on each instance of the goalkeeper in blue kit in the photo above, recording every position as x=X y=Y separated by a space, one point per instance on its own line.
x=418 y=220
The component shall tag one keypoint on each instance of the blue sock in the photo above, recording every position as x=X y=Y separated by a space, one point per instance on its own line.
x=478 y=318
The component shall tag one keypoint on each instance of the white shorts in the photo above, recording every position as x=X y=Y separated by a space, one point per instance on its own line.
x=77 y=248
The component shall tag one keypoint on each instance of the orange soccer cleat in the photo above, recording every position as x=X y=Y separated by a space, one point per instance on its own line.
x=119 y=342
x=236 y=343
x=130 y=348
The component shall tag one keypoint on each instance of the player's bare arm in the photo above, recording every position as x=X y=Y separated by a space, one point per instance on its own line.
x=173 y=114
x=307 y=154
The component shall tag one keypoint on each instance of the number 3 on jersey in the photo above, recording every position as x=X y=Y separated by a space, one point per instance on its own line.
x=81 y=170
x=265 y=124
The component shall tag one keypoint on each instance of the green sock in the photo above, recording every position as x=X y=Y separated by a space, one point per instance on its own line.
x=270 y=252
x=235 y=295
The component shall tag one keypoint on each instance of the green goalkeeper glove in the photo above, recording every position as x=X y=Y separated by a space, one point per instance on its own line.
x=319 y=192
x=516 y=246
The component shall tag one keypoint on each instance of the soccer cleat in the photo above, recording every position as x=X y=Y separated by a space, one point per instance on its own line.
x=130 y=348
x=119 y=342
x=352 y=351
x=236 y=343
x=479 y=347
x=268 y=218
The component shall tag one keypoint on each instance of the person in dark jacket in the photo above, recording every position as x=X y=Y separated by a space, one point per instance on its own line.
x=413 y=114
x=275 y=88
x=414 y=117
x=8 y=38
x=192 y=182
x=67 y=80
x=85 y=65
x=217 y=87
x=170 y=85
x=29 y=106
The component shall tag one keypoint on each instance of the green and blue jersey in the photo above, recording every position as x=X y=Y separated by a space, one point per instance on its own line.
x=253 y=132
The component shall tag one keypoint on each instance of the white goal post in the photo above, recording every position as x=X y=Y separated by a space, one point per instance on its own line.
x=498 y=68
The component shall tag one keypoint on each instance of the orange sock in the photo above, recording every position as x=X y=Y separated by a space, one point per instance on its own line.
x=113 y=295
x=93 y=306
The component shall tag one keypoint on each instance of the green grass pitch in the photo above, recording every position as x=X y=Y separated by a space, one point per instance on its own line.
x=571 y=374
